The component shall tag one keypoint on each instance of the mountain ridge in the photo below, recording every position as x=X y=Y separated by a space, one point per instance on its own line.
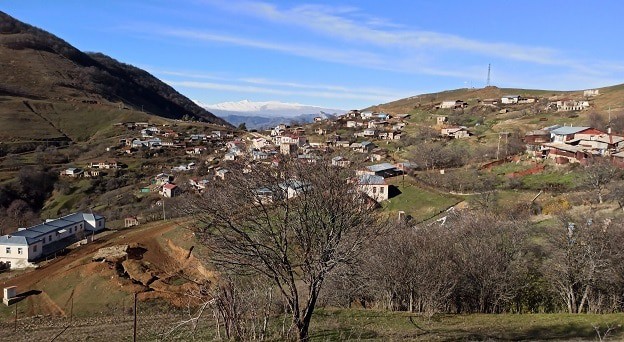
x=36 y=64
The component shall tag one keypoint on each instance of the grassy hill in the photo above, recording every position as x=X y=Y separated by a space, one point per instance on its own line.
x=38 y=66
x=610 y=97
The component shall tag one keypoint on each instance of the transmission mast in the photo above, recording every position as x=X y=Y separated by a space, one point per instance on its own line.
x=489 y=71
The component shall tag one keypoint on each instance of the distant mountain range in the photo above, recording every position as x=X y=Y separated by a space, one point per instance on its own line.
x=258 y=115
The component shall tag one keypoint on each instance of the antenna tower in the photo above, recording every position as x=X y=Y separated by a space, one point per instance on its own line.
x=489 y=70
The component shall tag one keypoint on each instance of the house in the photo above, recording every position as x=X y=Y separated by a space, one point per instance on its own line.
x=440 y=120
x=406 y=167
x=534 y=141
x=382 y=116
x=601 y=143
x=288 y=149
x=510 y=99
x=591 y=92
x=525 y=100
x=170 y=190
x=455 y=132
x=489 y=102
x=27 y=245
x=369 y=132
x=259 y=143
x=354 y=124
x=373 y=186
x=563 y=153
x=162 y=178
x=293 y=188
x=366 y=115
x=320 y=131
x=342 y=143
x=230 y=156
x=384 y=170
x=74 y=172
x=457 y=104
x=571 y=105
x=363 y=147
x=392 y=135
x=199 y=184
x=196 y=150
x=565 y=133
x=104 y=165
x=292 y=139
x=340 y=161
x=259 y=155
x=131 y=222
x=318 y=119
x=221 y=173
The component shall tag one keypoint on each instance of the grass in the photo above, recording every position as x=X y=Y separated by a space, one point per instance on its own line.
x=420 y=203
x=337 y=324
x=552 y=180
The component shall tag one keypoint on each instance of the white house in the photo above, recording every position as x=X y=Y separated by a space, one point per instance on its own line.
x=27 y=245
x=510 y=99
x=170 y=190
x=373 y=186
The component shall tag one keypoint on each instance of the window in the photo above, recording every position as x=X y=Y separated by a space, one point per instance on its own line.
x=20 y=251
x=374 y=189
x=34 y=248
x=8 y=250
x=49 y=238
x=381 y=189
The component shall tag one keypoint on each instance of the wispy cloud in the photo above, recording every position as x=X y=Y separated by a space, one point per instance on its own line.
x=280 y=92
x=352 y=26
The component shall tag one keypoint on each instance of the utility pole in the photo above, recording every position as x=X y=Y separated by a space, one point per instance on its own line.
x=15 y=324
x=134 y=326
x=498 y=148
x=164 y=214
x=489 y=71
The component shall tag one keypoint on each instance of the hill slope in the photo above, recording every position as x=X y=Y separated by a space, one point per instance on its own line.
x=610 y=97
x=37 y=65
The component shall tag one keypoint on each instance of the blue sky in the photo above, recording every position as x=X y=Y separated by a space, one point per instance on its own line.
x=344 y=54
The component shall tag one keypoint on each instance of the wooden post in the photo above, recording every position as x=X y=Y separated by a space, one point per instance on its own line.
x=134 y=335
x=71 y=309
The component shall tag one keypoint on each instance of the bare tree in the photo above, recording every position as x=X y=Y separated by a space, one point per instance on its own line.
x=578 y=257
x=293 y=224
x=598 y=174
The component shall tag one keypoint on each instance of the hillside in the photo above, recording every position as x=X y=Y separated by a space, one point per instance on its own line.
x=610 y=97
x=36 y=65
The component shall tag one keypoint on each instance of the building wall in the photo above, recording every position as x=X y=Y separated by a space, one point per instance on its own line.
x=378 y=192
x=11 y=253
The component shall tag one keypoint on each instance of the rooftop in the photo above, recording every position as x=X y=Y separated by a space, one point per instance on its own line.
x=568 y=130
x=381 y=167
x=371 y=180
x=34 y=233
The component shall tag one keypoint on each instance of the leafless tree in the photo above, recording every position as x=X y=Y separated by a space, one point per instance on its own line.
x=293 y=224
x=579 y=256
x=598 y=174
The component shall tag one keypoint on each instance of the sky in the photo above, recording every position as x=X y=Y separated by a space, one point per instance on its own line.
x=344 y=54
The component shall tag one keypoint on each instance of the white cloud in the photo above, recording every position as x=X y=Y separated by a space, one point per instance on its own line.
x=241 y=88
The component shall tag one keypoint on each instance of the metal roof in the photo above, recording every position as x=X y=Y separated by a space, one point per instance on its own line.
x=371 y=180
x=568 y=130
x=381 y=167
x=35 y=233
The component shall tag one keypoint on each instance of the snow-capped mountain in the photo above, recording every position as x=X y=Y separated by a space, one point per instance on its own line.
x=267 y=109
x=258 y=115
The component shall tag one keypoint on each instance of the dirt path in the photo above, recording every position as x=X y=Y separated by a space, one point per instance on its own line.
x=82 y=255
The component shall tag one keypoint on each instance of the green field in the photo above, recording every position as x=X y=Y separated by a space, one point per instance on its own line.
x=420 y=203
